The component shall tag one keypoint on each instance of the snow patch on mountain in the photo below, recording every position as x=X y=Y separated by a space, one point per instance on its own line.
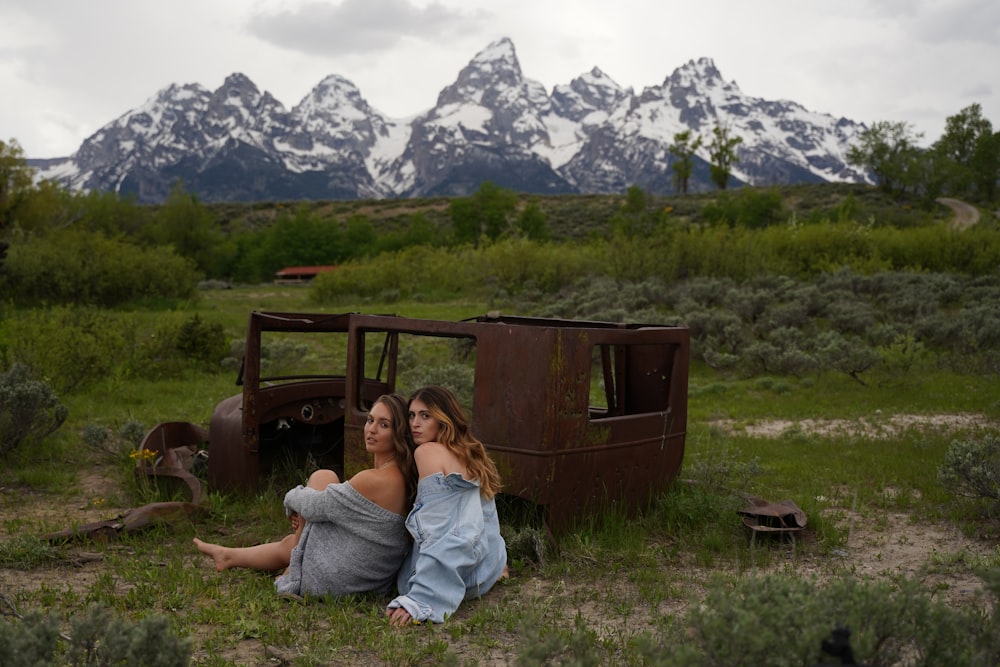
x=492 y=122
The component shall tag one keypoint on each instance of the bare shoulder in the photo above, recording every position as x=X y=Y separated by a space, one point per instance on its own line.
x=363 y=479
x=382 y=487
x=433 y=457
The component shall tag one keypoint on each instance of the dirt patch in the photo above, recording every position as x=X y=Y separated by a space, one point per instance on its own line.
x=876 y=427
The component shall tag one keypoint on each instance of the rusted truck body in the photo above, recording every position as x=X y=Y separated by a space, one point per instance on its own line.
x=577 y=415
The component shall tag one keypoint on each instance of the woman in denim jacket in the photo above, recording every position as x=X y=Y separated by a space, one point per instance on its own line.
x=458 y=552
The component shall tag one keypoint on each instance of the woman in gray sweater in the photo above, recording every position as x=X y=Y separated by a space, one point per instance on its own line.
x=349 y=537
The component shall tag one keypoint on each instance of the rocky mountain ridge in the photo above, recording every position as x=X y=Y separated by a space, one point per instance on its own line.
x=492 y=124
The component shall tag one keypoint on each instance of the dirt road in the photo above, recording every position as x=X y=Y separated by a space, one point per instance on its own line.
x=966 y=215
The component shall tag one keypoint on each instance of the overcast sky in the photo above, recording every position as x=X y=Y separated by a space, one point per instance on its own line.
x=68 y=67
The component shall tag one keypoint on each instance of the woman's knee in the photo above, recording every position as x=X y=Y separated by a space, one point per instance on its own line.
x=321 y=479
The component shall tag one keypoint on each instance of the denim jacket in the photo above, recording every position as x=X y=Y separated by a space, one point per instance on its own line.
x=458 y=552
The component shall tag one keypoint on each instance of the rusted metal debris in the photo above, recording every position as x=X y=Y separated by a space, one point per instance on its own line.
x=130 y=521
x=576 y=414
x=762 y=516
x=170 y=450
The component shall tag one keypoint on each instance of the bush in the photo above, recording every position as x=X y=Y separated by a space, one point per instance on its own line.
x=174 y=346
x=203 y=342
x=95 y=638
x=79 y=267
x=749 y=207
x=72 y=346
x=780 y=620
x=971 y=468
x=30 y=411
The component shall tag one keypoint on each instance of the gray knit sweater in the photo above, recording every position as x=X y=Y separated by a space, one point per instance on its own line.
x=349 y=545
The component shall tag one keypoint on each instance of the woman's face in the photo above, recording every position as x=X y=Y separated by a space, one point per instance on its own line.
x=378 y=430
x=423 y=426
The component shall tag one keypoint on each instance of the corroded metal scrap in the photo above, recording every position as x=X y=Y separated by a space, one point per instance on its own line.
x=766 y=517
x=169 y=450
x=130 y=521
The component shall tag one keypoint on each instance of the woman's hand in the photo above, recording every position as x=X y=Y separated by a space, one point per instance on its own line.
x=399 y=617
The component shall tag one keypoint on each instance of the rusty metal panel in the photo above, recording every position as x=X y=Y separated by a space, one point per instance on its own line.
x=530 y=407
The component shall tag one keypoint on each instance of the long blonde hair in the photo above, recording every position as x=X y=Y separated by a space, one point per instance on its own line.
x=455 y=433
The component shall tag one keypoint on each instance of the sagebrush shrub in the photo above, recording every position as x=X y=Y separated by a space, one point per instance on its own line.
x=95 y=638
x=201 y=341
x=779 y=620
x=30 y=410
x=971 y=468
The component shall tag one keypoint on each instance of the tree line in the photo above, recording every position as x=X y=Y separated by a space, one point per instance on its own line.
x=964 y=162
x=61 y=246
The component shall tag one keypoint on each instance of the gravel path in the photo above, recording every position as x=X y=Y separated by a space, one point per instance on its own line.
x=966 y=215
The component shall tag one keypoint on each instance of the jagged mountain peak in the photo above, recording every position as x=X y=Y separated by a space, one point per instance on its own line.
x=333 y=93
x=238 y=90
x=693 y=72
x=588 y=92
x=493 y=123
x=176 y=91
x=494 y=68
x=238 y=81
x=498 y=53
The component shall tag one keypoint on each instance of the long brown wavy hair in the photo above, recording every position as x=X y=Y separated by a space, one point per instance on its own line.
x=455 y=433
x=402 y=443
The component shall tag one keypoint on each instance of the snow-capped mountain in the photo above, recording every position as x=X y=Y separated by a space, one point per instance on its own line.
x=491 y=124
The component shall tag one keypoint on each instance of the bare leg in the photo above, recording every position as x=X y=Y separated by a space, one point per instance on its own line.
x=271 y=556
x=321 y=479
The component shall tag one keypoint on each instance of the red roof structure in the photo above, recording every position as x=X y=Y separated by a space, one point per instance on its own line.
x=300 y=274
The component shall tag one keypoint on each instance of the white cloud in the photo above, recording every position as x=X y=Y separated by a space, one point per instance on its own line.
x=70 y=66
x=359 y=26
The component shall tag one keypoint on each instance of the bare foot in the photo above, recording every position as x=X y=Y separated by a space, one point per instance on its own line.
x=220 y=554
x=297 y=521
x=506 y=573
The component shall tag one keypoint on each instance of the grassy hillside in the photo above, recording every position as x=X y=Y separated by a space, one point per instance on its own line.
x=576 y=216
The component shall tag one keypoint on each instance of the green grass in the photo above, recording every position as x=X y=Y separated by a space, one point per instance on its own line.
x=601 y=588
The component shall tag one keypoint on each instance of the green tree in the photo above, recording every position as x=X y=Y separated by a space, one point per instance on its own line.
x=972 y=152
x=637 y=218
x=46 y=207
x=532 y=223
x=301 y=239
x=359 y=237
x=419 y=230
x=72 y=265
x=889 y=151
x=490 y=213
x=112 y=214
x=184 y=223
x=16 y=181
x=722 y=152
x=684 y=149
